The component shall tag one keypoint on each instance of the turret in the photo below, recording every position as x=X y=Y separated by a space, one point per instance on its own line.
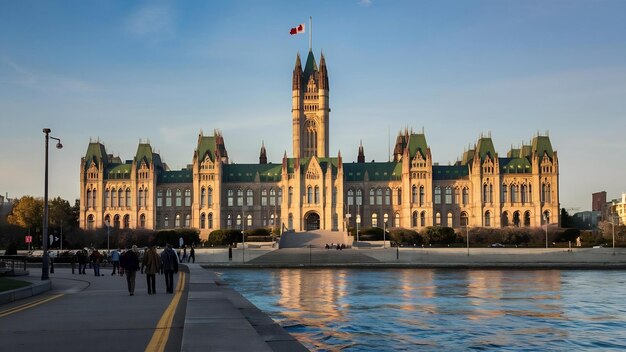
x=361 y=156
x=297 y=74
x=263 y=155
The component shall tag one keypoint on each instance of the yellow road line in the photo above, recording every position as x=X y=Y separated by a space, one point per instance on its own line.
x=29 y=305
x=161 y=334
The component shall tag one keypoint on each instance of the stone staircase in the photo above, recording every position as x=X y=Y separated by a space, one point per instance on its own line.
x=316 y=239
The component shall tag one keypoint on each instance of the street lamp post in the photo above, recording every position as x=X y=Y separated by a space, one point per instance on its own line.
x=358 y=221
x=384 y=229
x=108 y=235
x=545 y=216
x=467 y=235
x=46 y=258
x=613 y=224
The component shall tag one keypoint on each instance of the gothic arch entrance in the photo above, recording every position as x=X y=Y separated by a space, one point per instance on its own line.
x=312 y=221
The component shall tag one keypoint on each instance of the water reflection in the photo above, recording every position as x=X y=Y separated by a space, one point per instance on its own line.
x=390 y=310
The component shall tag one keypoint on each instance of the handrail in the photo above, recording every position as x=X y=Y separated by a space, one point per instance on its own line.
x=12 y=261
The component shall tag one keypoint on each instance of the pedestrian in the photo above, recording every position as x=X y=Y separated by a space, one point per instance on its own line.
x=184 y=258
x=130 y=264
x=169 y=261
x=151 y=264
x=81 y=257
x=192 y=255
x=115 y=259
x=96 y=259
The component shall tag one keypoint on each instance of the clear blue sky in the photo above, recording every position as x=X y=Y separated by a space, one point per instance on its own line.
x=122 y=71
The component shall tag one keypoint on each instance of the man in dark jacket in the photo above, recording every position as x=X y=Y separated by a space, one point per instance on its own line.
x=169 y=263
x=130 y=263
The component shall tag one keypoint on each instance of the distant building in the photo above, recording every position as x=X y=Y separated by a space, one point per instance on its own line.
x=6 y=205
x=314 y=190
x=619 y=210
x=587 y=220
x=598 y=200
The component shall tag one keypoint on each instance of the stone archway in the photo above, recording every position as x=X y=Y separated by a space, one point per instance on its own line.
x=312 y=221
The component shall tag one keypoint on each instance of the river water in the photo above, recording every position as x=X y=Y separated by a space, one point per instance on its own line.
x=431 y=309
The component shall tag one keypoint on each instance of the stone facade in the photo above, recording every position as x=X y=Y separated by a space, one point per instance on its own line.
x=312 y=190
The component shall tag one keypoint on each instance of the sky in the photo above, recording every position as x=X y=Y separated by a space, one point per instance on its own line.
x=163 y=71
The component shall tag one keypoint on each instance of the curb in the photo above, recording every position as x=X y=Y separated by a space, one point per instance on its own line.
x=34 y=289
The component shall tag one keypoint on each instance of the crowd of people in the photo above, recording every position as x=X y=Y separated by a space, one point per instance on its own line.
x=128 y=262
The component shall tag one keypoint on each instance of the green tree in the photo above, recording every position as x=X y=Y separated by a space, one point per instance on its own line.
x=27 y=212
x=566 y=219
x=60 y=213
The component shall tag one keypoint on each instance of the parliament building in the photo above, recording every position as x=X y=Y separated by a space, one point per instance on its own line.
x=313 y=190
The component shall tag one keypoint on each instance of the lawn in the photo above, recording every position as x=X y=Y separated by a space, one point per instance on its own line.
x=10 y=284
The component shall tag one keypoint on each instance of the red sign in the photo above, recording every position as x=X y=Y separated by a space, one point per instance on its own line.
x=29 y=239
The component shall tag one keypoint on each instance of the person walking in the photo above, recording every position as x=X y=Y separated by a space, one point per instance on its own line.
x=96 y=259
x=192 y=255
x=169 y=262
x=115 y=259
x=81 y=257
x=184 y=257
x=130 y=264
x=151 y=263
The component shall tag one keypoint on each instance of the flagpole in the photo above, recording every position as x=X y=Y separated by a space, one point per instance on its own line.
x=310 y=32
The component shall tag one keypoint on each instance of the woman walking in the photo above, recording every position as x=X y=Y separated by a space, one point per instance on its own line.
x=151 y=263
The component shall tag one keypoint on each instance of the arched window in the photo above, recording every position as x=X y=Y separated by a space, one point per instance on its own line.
x=239 y=197
x=505 y=218
x=140 y=198
x=372 y=196
x=423 y=197
x=94 y=194
x=513 y=194
x=290 y=221
x=90 y=222
x=249 y=220
x=166 y=221
x=317 y=195
x=179 y=198
x=202 y=197
x=177 y=220
x=350 y=197
x=209 y=201
x=230 y=195
x=120 y=197
x=438 y=218
x=229 y=220
x=399 y=196
x=487 y=219
x=523 y=194
x=210 y=220
x=273 y=197
x=548 y=194
x=516 y=219
x=309 y=195
x=202 y=220
x=107 y=220
x=527 y=218
x=437 y=195
x=457 y=196
x=159 y=198
x=414 y=195
x=414 y=219
x=168 y=198
x=423 y=219
x=485 y=193
x=142 y=221
x=279 y=198
x=107 y=199
x=385 y=220
x=504 y=193
x=546 y=216
x=289 y=196
x=238 y=222
x=264 y=197
x=128 y=201
x=188 y=220
x=396 y=220
x=464 y=219
x=126 y=221
x=187 y=197
x=379 y=196
x=359 y=197
x=465 y=196
x=450 y=221
x=374 y=220
x=116 y=221
x=530 y=193
x=249 y=197
x=89 y=199
x=448 y=195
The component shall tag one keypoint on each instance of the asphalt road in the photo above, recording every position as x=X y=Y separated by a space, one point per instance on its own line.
x=88 y=313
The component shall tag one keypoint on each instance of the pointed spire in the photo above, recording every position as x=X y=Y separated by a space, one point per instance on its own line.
x=339 y=159
x=323 y=74
x=263 y=155
x=361 y=156
x=297 y=74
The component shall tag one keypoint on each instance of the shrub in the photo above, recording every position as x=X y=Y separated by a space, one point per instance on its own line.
x=439 y=235
x=371 y=234
x=261 y=231
x=11 y=249
x=224 y=237
x=405 y=236
x=161 y=238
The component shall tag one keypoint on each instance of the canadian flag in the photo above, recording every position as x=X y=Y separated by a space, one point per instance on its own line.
x=298 y=29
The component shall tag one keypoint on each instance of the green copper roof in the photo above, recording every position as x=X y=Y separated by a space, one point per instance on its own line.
x=177 y=176
x=485 y=147
x=467 y=156
x=206 y=145
x=417 y=142
x=450 y=172
x=96 y=153
x=385 y=171
x=144 y=153
x=118 y=171
x=309 y=68
x=248 y=172
x=515 y=165
x=541 y=145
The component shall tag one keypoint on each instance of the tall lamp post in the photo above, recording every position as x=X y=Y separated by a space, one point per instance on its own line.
x=384 y=230
x=46 y=258
x=613 y=223
x=106 y=222
x=545 y=216
x=467 y=235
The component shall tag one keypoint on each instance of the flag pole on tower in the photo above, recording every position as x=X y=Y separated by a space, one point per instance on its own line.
x=310 y=32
